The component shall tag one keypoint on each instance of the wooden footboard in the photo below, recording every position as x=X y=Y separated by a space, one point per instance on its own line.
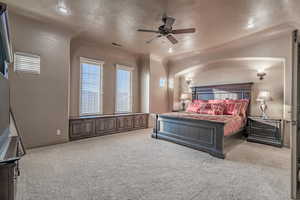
x=202 y=135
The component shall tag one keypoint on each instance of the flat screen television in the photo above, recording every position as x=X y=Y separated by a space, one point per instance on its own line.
x=4 y=110
x=5 y=58
x=6 y=55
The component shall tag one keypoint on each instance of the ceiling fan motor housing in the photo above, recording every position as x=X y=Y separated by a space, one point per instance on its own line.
x=167 y=30
x=162 y=29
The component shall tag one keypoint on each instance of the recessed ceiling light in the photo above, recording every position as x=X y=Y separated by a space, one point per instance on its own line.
x=170 y=50
x=62 y=8
x=250 y=26
x=250 y=23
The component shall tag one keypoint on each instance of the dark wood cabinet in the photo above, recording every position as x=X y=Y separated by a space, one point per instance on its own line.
x=9 y=168
x=125 y=123
x=140 y=121
x=266 y=131
x=90 y=126
x=105 y=126
x=82 y=128
x=8 y=180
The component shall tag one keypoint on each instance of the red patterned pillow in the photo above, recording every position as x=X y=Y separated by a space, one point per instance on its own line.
x=245 y=103
x=237 y=109
x=193 y=107
x=204 y=109
x=229 y=107
x=217 y=108
x=233 y=108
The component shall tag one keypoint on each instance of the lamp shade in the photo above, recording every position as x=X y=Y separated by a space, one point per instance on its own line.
x=185 y=96
x=264 y=95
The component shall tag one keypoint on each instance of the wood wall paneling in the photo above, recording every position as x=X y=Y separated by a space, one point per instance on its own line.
x=85 y=127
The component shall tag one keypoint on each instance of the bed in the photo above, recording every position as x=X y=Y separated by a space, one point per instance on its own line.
x=206 y=132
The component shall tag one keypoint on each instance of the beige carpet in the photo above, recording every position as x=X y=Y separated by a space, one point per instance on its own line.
x=133 y=166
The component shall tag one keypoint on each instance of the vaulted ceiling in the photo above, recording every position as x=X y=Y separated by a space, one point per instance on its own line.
x=216 y=21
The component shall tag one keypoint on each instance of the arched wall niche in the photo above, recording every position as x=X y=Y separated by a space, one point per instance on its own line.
x=239 y=70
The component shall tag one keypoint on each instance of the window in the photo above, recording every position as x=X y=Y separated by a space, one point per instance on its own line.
x=161 y=82
x=171 y=83
x=124 y=89
x=90 y=86
x=25 y=62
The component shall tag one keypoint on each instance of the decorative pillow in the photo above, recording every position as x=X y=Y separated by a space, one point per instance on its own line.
x=217 y=108
x=245 y=103
x=233 y=108
x=204 y=108
x=230 y=106
x=193 y=107
x=237 y=109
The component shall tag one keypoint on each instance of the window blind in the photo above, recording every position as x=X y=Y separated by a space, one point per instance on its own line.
x=24 y=62
x=90 y=87
x=124 y=89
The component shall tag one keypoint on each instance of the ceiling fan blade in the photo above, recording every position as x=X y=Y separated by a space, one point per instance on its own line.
x=157 y=36
x=169 y=22
x=187 y=30
x=172 y=39
x=149 y=31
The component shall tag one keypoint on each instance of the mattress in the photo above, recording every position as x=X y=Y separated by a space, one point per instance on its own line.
x=233 y=123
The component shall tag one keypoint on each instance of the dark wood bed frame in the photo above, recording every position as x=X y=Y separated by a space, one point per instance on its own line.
x=202 y=135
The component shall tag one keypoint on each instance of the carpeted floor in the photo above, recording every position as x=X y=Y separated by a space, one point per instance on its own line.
x=133 y=166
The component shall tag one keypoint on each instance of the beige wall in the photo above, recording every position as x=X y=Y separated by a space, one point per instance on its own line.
x=242 y=72
x=111 y=56
x=40 y=102
x=280 y=47
x=154 y=99
x=158 y=95
x=144 y=65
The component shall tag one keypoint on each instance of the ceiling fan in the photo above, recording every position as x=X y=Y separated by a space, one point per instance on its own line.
x=166 y=30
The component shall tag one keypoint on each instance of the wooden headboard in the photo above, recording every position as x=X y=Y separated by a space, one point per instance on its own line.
x=225 y=91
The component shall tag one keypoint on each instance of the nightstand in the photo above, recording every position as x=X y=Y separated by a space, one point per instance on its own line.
x=266 y=131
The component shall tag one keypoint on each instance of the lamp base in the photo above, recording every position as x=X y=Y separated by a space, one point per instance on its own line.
x=263 y=107
x=183 y=105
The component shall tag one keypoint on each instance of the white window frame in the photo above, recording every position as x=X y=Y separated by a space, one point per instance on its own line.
x=94 y=62
x=37 y=72
x=162 y=82
x=130 y=69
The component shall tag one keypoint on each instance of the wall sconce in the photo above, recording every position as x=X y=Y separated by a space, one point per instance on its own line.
x=171 y=83
x=162 y=82
x=188 y=81
x=261 y=73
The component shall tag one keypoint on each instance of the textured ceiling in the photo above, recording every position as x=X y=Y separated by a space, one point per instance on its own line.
x=216 y=21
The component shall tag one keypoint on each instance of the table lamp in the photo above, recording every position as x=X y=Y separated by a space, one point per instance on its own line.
x=263 y=97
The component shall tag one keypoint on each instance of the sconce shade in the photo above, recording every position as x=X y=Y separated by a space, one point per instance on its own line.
x=185 y=96
x=188 y=82
x=261 y=74
x=264 y=95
